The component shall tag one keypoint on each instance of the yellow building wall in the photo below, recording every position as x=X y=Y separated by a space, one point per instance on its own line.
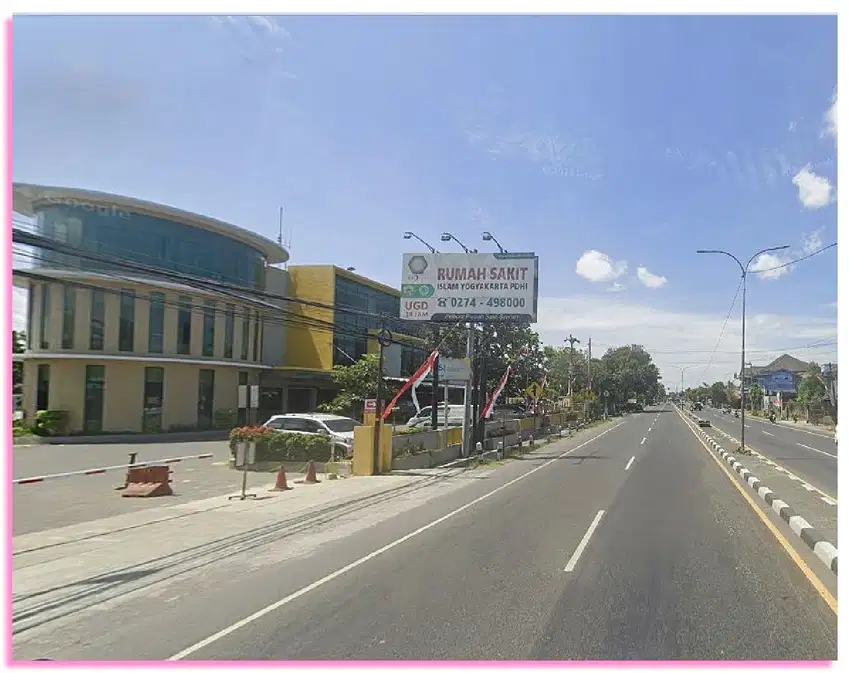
x=305 y=347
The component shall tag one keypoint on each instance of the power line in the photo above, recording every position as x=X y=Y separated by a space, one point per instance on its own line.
x=795 y=261
x=723 y=329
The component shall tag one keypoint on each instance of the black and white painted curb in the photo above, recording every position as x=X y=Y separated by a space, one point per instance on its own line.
x=802 y=528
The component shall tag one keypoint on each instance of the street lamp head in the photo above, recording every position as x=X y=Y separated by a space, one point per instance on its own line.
x=408 y=234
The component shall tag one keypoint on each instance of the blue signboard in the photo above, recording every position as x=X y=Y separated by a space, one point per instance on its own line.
x=779 y=382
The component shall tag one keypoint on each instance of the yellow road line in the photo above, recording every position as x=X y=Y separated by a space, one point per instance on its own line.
x=828 y=598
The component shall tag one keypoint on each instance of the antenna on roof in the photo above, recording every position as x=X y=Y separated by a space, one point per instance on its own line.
x=280 y=228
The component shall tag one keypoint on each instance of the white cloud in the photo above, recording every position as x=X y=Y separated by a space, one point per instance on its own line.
x=684 y=338
x=616 y=287
x=812 y=242
x=814 y=191
x=831 y=118
x=260 y=25
x=792 y=126
x=649 y=279
x=770 y=266
x=597 y=267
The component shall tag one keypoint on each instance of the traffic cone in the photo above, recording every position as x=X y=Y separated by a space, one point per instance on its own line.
x=311 y=474
x=280 y=483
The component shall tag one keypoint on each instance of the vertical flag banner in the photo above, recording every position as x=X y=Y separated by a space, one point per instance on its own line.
x=414 y=381
x=488 y=408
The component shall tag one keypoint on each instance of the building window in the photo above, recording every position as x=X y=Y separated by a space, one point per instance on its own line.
x=156 y=322
x=206 y=395
x=98 y=310
x=184 y=325
x=242 y=411
x=30 y=307
x=69 y=313
x=42 y=397
x=246 y=327
x=94 y=394
x=256 y=345
x=126 y=320
x=209 y=329
x=229 y=319
x=44 y=324
x=152 y=403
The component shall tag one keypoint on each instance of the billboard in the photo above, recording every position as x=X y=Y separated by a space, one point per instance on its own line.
x=477 y=287
x=779 y=382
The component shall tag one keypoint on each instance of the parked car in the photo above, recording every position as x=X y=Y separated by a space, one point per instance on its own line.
x=423 y=418
x=340 y=429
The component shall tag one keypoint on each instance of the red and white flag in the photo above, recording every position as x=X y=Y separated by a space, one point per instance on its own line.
x=418 y=376
x=488 y=408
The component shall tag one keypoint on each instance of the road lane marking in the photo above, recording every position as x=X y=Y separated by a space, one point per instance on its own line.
x=209 y=640
x=768 y=433
x=642 y=441
x=828 y=501
x=818 y=450
x=815 y=581
x=581 y=545
x=629 y=464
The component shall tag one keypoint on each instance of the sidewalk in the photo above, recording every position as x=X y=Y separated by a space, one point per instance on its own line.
x=62 y=572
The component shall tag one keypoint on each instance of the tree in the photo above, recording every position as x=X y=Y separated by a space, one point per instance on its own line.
x=19 y=345
x=811 y=390
x=628 y=372
x=357 y=382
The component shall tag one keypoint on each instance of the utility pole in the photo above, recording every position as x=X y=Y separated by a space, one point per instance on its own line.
x=435 y=381
x=589 y=383
x=383 y=339
x=572 y=341
x=466 y=447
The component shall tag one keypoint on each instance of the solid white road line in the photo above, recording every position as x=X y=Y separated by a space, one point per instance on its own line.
x=581 y=545
x=642 y=441
x=768 y=433
x=831 y=455
x=364 y=559
x=629 y=464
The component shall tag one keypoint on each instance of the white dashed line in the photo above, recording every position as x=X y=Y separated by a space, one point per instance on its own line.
x=768 y=433
x=581 y=545
x=831 y=455
x=829 y=501
x=642 y=441
x=629 y=464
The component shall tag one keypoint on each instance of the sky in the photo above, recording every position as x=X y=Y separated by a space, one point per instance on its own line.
x=614 y=147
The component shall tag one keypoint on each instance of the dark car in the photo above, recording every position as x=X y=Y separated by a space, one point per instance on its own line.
x=704 y=423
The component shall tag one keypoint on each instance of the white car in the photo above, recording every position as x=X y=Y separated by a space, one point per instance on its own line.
x=340 y=429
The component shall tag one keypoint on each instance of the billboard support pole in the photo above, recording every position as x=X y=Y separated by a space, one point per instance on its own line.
x=435 y=381
x=467 y=393
x=379 y=401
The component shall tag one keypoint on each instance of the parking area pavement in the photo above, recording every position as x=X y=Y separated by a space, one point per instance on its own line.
x=76 y=499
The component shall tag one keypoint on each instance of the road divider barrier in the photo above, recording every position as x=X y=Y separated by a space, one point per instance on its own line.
x=148 y=482
x=112 y=468
x=822 y=548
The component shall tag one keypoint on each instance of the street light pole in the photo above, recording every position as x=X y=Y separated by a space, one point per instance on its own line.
x=487 y=236
x=446 y=237
x=744 y=270
x=409 y=234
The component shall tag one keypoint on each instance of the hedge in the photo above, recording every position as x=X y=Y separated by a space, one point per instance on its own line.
x=273 y=445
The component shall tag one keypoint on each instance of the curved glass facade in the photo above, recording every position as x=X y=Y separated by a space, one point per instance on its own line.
x=164 y=244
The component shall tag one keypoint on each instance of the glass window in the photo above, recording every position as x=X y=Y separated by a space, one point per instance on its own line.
x=98 y=310
x=184 y=325
x=256 y=344
x=42 y=397
x=209 y=329
x=242 y=412
x=30 y=306
x=94 y=395
x=144 y=239
x=126 y=320
x=69 y=306
x=156 y=322
x=246 y=326
x=341 y=425
x=229 y=319
x=206 y=394
x=152 y=402
x=44 y=324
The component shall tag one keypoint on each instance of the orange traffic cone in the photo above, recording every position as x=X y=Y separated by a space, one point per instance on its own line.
x=311 y=474
x=280 y=483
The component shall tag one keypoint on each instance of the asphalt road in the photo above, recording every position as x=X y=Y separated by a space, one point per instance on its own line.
x=634 y=545
x=811 y=455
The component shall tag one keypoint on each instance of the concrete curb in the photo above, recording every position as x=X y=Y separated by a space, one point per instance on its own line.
x=802 y=528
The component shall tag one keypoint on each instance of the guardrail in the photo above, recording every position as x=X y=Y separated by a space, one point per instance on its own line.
x=111 y=468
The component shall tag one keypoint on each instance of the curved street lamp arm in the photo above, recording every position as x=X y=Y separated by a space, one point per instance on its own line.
x=761 y=252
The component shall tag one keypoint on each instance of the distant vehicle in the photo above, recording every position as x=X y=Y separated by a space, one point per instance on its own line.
x=697 y=406
x=423 y=418
x=704 y=423
x=340 y=429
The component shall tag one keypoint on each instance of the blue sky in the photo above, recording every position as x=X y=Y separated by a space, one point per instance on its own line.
x=640 y=138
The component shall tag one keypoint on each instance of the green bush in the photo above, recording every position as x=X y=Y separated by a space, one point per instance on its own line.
x=274 y=446
x=51 y=423
x=224 y=419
